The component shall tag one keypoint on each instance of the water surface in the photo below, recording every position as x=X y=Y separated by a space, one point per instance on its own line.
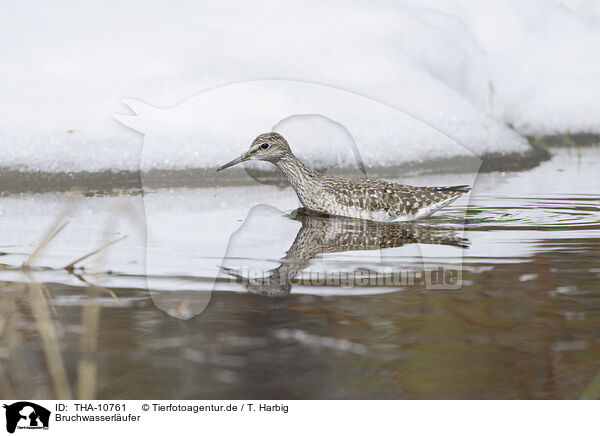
x=236 y=307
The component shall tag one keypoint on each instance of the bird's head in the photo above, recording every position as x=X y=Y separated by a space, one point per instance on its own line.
x=270 y=147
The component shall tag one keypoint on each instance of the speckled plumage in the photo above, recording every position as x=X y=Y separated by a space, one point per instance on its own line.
x=376 y=200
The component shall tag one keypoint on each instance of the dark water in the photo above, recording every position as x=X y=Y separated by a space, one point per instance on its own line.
x=523 y=321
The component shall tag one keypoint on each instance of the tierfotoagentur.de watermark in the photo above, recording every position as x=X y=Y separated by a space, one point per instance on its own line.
x=441 y=277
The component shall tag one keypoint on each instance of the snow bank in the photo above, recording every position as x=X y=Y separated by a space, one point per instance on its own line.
x=467 y=68
x=220 y=124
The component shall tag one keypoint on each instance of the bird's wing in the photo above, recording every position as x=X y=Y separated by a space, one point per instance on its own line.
x=380 y=195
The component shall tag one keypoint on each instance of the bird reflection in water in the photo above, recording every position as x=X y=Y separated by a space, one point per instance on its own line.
x=320 y=234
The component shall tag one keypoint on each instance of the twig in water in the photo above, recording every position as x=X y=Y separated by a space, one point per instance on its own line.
x=94 y=286
x=51 y=235
x=70 y=267
x=55 y=229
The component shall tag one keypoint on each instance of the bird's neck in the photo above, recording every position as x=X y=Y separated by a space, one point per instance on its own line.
x=300 y=176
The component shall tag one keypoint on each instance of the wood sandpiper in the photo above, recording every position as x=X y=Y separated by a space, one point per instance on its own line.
x=375 y=200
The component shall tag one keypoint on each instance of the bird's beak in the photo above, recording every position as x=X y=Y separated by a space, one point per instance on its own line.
x=242 y=158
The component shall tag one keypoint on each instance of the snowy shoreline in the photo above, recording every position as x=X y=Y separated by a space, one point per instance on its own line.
x=461 y=66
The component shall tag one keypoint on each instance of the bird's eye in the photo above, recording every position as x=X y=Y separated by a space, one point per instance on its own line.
x=264 y=146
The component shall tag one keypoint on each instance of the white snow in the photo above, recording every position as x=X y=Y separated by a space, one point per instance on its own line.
x=467 y=68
